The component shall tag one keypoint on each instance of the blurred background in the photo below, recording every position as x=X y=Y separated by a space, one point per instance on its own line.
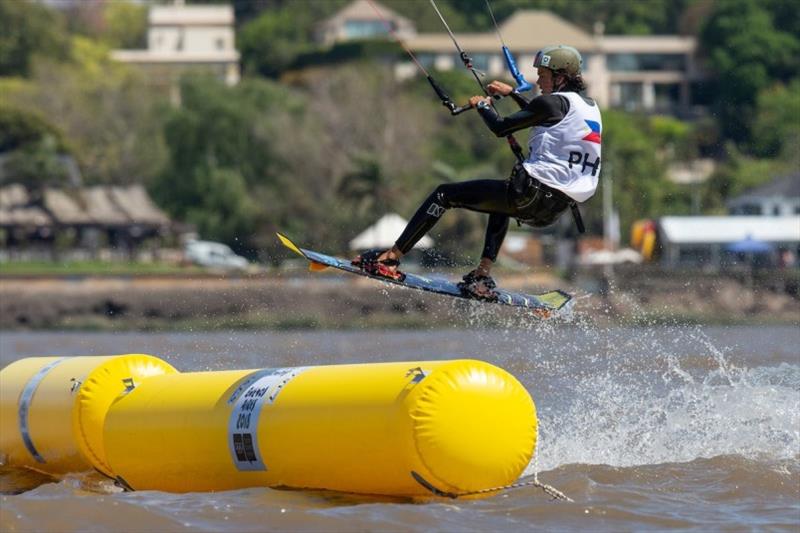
x=150 y=150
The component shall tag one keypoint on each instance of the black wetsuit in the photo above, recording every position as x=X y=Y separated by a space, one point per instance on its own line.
x=520 y=196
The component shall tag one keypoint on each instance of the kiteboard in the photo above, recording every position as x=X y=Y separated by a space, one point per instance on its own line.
x=544 y=305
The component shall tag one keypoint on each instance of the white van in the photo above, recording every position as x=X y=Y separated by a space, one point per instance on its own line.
x=214 y=254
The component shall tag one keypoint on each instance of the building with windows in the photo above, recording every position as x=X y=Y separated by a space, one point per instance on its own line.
x=780 y=197
x=636 y=73
x=359 y=21
x=181 y=38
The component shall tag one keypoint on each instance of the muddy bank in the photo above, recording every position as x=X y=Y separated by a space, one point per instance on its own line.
x=209 y=303
x=300 y=300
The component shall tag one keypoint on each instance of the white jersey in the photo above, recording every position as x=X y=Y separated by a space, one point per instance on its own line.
x=566 y=156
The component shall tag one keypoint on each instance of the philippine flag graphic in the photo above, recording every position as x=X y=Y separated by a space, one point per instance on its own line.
x=594 y=135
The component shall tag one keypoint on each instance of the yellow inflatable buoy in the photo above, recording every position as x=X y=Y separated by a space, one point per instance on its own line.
x=52 y=409
x=401 y=429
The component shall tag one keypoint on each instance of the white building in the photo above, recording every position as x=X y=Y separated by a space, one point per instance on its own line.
x=359 y=20
x=181 y=38
x=648 y=73
x=702 y=241
x=780 y=197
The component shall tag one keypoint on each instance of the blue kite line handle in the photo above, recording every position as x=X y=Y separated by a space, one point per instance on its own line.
x=522 y=84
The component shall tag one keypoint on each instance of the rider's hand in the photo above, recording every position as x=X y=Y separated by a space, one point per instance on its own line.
x=473 y=102
x=498 y=87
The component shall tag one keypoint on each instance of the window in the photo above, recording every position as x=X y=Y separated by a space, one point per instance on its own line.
x=479 y=61
x=667 y=95
x=748 y=209
x=363 y=29
x=695 y=256
x=220 y=43
x=427 y=60
x=628 y=96
x=635 y=62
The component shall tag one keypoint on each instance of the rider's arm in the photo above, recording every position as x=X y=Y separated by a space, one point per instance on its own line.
x=521 y=101
x=545 y=110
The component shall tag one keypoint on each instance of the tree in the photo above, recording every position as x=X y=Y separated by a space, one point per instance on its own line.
x=776 y=131
x=226 y=211
x=31 y=149
x=29 y=29
x=125 y=24
x=231 y=127
x=738 y=174
x=272 y=41
x=675 y=138
x=748 y=54
x=785 y=15
x=631 y=157
x=35 y=165
x=221 y=160
x=20 y=128
x=362 y=133
x=122 y=142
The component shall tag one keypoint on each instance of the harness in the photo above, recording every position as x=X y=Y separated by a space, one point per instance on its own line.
x=526 y=192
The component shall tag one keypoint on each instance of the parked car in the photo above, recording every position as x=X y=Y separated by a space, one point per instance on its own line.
x=214 y=255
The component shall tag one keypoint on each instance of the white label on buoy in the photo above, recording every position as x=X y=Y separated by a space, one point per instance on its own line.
x=247 y=400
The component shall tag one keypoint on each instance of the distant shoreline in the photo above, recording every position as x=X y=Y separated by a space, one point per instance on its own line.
x=297 y=300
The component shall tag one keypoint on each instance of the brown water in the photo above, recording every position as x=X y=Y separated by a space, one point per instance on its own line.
x=645 y=428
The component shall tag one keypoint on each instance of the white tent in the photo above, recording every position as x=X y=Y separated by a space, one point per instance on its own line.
x=383 y=233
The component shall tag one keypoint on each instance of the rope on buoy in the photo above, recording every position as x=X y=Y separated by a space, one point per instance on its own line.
x=549 y=489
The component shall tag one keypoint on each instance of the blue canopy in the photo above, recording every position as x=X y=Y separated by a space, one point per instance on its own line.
x=750 y=245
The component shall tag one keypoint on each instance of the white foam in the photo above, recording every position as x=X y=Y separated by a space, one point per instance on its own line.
x=726 y=410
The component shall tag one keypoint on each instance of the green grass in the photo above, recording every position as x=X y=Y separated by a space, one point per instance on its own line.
x=72 y=268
